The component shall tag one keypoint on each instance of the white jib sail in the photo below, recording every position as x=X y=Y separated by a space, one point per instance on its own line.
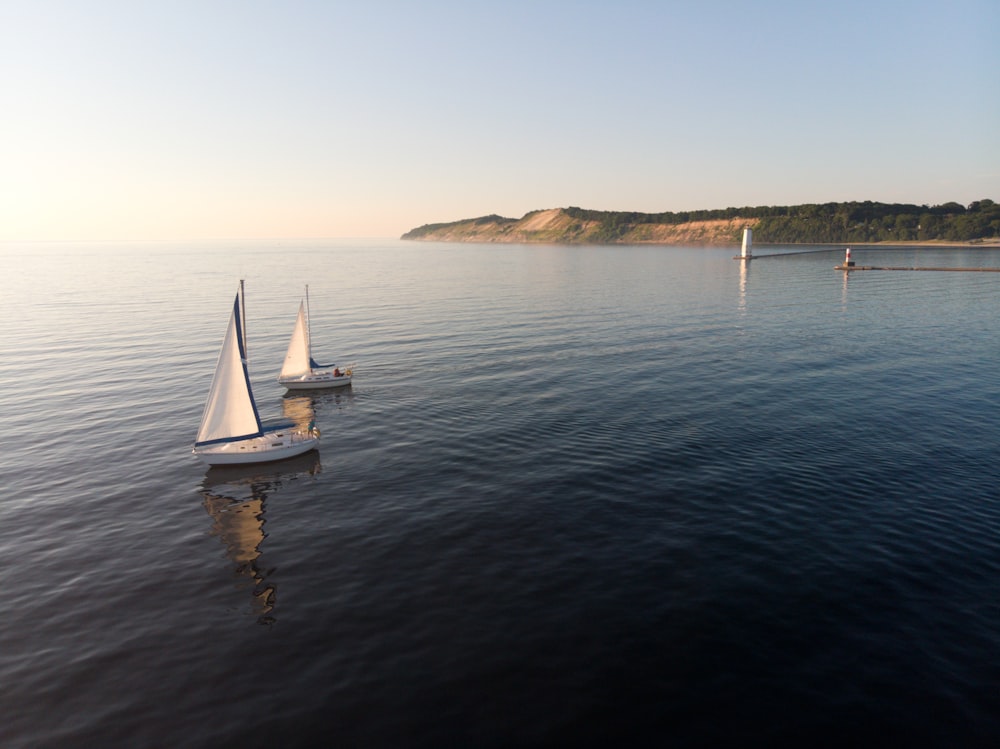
x=229 y=411
x=297 y=358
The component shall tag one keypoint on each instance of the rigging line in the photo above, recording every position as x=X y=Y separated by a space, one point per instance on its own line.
x=308 y=327
x=243 y=313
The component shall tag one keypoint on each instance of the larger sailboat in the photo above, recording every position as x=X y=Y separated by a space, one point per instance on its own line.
x=300 y=371
x=231 y=431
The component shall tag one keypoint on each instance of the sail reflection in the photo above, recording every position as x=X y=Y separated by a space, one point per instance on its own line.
x=305 y=409
x=235 y=498
x=298 y=408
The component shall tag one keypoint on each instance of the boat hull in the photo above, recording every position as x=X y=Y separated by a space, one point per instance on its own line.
x=315 y=381
x=256 y=449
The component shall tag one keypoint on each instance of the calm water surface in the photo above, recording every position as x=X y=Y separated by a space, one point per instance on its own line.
x=575 y=496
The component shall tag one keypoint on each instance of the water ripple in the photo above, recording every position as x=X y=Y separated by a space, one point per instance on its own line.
x=574 y=496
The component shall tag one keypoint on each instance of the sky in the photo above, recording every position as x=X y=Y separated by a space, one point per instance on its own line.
x=173 y=120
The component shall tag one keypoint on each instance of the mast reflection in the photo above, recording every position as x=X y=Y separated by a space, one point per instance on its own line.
x=235 y=498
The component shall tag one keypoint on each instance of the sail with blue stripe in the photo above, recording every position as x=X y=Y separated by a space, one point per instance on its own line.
x=230 y=412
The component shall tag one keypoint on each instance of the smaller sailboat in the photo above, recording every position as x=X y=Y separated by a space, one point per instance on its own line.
x=231 y=431
x=300 y=371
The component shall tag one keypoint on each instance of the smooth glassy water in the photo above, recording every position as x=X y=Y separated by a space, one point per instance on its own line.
x=575 y=496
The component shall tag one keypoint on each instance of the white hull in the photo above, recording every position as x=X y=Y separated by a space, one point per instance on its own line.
x=315 y=381
x=273 y=446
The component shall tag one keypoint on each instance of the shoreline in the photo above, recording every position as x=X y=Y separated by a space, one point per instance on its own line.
x=935 y=244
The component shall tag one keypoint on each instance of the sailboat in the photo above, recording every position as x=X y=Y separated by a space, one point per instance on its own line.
x=231 y=431
x=300 y=371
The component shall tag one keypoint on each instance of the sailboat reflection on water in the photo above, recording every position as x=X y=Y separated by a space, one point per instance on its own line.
x=235 y=499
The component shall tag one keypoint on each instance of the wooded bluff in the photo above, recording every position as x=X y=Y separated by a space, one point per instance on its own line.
x=811 y=223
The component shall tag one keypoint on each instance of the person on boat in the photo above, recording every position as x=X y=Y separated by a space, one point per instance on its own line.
x=336 y=371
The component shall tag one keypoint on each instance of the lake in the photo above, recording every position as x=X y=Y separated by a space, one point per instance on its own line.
x=583 y=496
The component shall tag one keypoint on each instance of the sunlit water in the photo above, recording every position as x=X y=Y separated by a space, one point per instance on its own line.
x=575 y=496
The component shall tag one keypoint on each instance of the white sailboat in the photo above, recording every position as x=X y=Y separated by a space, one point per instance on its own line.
x=300 y=371
x=231 y=431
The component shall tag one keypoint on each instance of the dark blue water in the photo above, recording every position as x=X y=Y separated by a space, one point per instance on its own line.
x=576 y=496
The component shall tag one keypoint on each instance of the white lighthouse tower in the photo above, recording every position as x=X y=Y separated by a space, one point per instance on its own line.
x=747 y=244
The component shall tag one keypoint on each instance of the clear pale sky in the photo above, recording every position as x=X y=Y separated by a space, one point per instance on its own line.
x=243 y=119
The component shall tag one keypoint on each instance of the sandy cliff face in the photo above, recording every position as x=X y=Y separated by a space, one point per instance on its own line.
x=554 y=226
x=554 y=218
x=718 y=232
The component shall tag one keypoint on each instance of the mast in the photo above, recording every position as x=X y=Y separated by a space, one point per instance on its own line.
x=243 y=313
x=309 y=350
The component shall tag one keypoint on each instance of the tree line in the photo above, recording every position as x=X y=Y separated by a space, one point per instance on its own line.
x=857 y=222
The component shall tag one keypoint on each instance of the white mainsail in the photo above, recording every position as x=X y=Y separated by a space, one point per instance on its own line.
x=230 y=412
x=297 y=359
